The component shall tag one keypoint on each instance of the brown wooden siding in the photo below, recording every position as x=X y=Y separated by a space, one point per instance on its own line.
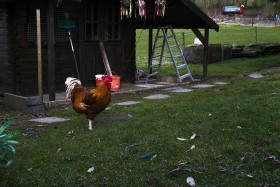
x=6 y=70
x=26 y=53
x=18 y=55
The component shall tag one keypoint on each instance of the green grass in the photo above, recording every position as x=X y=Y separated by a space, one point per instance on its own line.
x=237 y=128
x=236 y=66
x=227 y=35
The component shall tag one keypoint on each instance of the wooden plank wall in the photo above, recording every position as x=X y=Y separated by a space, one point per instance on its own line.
x=6 y=71
x=129 y=64
x=26 y=55
x=20 y=58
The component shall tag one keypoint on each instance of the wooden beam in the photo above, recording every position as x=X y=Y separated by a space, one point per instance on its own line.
x=198 y=35
x=39 y=53
x=51 y=52
x=205 y=52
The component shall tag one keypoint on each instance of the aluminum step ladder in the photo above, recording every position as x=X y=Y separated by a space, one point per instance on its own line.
x=168 y=38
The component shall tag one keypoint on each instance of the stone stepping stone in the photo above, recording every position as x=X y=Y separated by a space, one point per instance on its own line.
x=220 y=83
x=157 y=96
x=177 y=89
x=182 y=90
x=127 y=103
x=172 y=88
x=255 y=75
x=202 y=86
x=48 y=120
x=149 y=85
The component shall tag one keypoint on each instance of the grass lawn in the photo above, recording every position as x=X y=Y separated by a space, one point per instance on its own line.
x=236 y=126
x=227 y=35
x=237 y=140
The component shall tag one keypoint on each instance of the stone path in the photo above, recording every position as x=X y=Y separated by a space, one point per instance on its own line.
x=49 y=120
x=173 y=89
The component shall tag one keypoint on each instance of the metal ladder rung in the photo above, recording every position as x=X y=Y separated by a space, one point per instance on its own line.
x=160 y=46
x=156 y=56
x=154 y=65
x=155 y=73
x=181 y=66
x=185 y=76
x=178 y=56
x=171 y=36
x=173 y=46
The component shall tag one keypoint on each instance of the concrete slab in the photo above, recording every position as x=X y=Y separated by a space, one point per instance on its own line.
x=255 y=75
x=157 y=96
x=149 y=85
x=177 y=89
x=202 y=86
x=48 y=120
x=127 y=103
x=182 y=90
x=165 y=83
x=172 y=88
x=220 y=83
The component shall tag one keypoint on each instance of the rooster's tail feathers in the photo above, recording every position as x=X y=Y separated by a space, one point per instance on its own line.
x=70 y=84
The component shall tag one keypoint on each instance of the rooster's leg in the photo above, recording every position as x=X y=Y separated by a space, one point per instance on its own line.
x=89 y=124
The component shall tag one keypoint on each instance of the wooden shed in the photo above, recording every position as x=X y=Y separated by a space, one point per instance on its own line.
x=92 y=21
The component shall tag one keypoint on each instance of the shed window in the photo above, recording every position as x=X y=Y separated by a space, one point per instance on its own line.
x=102 y=22
x=60 y=34
x=113 y=26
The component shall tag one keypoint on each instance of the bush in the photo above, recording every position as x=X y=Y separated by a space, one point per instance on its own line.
x=7 y=149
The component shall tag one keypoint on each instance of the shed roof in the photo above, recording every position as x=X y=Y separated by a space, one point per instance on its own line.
x=179 y=14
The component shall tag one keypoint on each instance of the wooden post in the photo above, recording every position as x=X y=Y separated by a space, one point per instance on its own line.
x=205 y=43
x=51 y=52
x=39 y=53
x=150 y=47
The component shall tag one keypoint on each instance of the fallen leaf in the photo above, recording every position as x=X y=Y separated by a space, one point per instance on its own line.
x=181 y=139
x=29 y=169
x=90 y=169
x=146 y=155
x=192 y=147
x=190 y=181
x=249 y=175
x=271 y=158
x=193 y=136
x=132 y=145
x=153 y=157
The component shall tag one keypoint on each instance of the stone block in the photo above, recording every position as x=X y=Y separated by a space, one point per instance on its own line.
x=23 y=104
x=217 y=53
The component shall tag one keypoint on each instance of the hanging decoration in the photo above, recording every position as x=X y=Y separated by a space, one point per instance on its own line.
x=160 y=8
x=126 y=8
x=142 y=8
x=127 y=5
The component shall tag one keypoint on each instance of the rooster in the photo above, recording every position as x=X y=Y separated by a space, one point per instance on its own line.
x=89 y=102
